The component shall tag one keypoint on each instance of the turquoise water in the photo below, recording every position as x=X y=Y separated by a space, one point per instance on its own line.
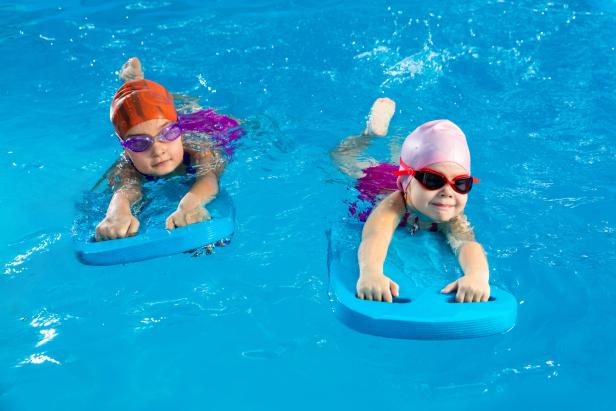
x=251 y=326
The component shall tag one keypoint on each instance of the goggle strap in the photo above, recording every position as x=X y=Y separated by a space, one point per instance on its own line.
x=406 y=171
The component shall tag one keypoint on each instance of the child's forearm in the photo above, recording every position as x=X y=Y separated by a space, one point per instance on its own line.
x=377 y=234
x=473 y=260
x=374 y=244
x=122 y=200
x=371 y=254
x=202 y=192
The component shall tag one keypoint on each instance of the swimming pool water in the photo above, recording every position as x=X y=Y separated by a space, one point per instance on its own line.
x=250 y=326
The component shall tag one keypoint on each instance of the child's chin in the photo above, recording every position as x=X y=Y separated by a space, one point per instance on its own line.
x=163 y=169
x=442 y=217
x=160 y=172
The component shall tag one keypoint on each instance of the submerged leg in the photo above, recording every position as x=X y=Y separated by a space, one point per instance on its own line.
x=346 y=153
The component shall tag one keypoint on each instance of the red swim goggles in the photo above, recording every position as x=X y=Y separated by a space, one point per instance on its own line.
x=433 y=180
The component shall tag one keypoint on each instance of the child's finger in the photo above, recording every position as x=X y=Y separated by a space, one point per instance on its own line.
x=387 y=297
x=207 y=215
x=450 y=287
x=361 y=295
x=468 y=297
x=124 y=231
x=133 y=227
x=460 y=296
x=477 y=297
x=485 y=297
x=395 y=289
x=169 y=223
x=180 y=221
x=195 y=218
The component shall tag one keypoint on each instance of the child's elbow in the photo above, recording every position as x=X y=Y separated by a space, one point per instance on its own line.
x=471 y=246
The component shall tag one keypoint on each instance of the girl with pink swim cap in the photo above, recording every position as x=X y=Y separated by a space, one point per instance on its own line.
x=430 y=192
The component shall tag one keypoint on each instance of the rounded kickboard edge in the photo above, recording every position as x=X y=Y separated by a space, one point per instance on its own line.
x=159 y=242
x=424 y=314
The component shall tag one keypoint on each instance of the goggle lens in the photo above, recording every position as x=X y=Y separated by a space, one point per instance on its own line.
x=433 y=181
x=171 y=132
x=138 y=144
x=463 y=185
x=143 y=142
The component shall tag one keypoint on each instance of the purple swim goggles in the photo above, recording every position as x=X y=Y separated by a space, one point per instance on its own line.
x=141 y=142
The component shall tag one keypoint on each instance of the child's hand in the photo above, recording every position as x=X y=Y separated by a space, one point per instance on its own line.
x=182 y=217
x=471 y=289
x=117 y=225
x=377 y=287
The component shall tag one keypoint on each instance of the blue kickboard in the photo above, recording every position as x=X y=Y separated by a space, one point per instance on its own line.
x=418 y=313
x=155 y=241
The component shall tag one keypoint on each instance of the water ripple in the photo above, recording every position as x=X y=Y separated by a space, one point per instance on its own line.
x=44 y=241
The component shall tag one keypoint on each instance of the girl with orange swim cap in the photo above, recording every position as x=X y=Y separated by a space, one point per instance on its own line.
x=158 y=142
x=427 y=189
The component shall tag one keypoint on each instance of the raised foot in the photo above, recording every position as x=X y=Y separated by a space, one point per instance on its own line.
x=131 y=70
x=382 y=111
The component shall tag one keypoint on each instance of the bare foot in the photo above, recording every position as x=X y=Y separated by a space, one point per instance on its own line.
x=382 y=111
x=131 y=70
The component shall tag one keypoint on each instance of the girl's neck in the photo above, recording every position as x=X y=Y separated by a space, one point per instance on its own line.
x=412 y=210
x=423 y=218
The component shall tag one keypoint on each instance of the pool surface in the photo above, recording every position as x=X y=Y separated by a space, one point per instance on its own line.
x=250 y=326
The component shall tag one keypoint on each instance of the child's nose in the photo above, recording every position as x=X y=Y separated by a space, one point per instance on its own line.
x=446 y=191
x=158 y=148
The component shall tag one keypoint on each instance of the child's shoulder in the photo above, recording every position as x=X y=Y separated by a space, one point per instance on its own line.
x=393 y=204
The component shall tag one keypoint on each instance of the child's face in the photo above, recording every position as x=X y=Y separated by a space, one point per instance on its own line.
x=440 y=205
x=162 y=157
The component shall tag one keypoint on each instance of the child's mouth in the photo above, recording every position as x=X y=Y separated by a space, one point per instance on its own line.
x=162 y=163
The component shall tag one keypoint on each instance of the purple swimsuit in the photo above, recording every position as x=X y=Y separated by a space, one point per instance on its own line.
x=377 y=182
x=223 y=130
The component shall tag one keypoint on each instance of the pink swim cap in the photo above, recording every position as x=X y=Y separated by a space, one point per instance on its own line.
x=434 y=142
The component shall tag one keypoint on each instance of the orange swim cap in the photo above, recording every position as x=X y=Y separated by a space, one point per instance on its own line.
x=138 y=101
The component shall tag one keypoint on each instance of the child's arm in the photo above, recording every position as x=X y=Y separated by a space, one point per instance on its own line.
x=474 y=285
x=191 y=209
x=119 y=222
x=373 y=284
